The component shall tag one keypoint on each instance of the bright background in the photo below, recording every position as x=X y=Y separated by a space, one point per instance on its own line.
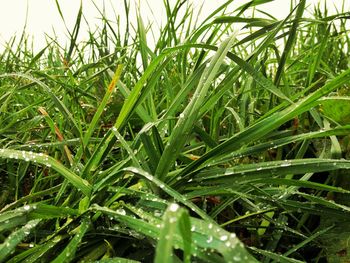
x=42 y=16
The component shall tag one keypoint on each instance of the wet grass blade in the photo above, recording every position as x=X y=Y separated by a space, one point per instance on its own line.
x=68 y=254
x=189 y=115
x=16 y=237
x=48 y=161
x=174 y=217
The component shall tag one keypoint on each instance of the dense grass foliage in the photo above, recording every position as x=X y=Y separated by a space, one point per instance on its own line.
x=226 y=142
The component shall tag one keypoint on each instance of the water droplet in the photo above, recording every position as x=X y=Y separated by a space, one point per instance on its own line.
x=174 y=207
x=121 y=211
x=224 y=237
x=210 y=239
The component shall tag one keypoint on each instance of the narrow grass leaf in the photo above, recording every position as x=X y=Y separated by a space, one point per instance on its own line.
x=16 y=237
x=48 y=161
x=68 y=254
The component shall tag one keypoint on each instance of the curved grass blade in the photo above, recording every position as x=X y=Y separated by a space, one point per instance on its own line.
x=16 y=237
x=59 y=104
x=169 y=191
x=290 y=42
x=173 y=217
x=264 y=126
x=187 y=118
x=68 y=254
x=273 y=168
x=48 y=161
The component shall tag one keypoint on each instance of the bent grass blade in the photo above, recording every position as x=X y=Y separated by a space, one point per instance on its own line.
x=48 y=161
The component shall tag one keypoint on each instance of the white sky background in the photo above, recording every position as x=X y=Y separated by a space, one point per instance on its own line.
x=43 y=16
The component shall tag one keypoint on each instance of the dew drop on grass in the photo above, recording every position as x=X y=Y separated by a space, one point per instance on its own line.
x=224 y=238
x=26 y=207
x=237 y=258
x=286 y=164
x=233 y=235
x=174 y=207
x=210 y=239
x=121 y=211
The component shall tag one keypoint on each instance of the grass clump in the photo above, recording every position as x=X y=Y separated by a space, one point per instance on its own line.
x=217 y=145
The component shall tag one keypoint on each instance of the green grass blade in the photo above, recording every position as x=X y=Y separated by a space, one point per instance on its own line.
x=189 y=115
x=68 y=254
x=173 y=217
x=16 y=237
x=48 y=161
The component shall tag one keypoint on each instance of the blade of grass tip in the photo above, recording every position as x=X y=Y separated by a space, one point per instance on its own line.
x=143 y=40
x=59 y=10
x=48 y=161
x=74 y=34
x=290 y=42
x=99 y=111
x=15 y=238
x=68 y=254
x=187 y=118
x=37 y=57
x=316 y=60
x=173 y=217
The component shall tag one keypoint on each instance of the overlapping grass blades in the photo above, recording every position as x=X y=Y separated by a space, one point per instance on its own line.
x=218 y=143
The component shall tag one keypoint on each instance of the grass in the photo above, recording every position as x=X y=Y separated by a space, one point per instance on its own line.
x=226 y=142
